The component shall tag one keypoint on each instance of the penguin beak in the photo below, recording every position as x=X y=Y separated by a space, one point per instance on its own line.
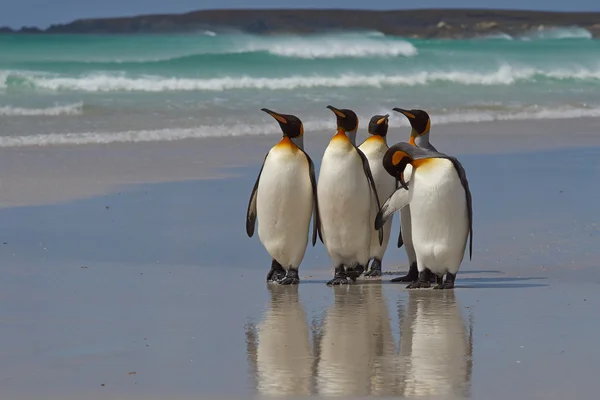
x=402 y=181
x=275 y=115
x=336 y=111
x=384 y=119
x=406 y=113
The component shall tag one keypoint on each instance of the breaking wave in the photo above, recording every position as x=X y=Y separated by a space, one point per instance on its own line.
x=203 y=131
x=103 y=82
x=68 y=109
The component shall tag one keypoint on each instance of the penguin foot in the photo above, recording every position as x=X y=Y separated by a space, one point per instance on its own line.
x=419 y=285
x=340 y=277
x=291 y=278
x=375 y=269
x=359 y=270
x=355 y=273
x=276 y=273
x=412 y=276
x=424 y=281
x=448 y=284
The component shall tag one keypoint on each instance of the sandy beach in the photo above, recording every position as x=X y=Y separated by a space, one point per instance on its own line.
x=127 y=274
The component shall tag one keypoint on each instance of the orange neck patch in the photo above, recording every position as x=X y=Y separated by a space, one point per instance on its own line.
x=375 y=138
x=286 y=143
x=423 y=161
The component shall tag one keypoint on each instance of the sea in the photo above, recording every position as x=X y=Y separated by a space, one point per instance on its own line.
x=81 y=89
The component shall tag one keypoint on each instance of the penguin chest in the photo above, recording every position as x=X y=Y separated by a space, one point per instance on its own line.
x=343 y=191
x=284 y=200
x=438 y=211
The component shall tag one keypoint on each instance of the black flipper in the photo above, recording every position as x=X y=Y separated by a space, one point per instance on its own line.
x=372 y=182
x=463 y=179
x=400 y=240
x=316 y=216
x=251 y=213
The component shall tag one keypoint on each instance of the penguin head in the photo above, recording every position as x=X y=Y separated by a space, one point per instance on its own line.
x=346 y=119
x=419 y=121
x=379 y=125
x=395 y=160
x=291 y=126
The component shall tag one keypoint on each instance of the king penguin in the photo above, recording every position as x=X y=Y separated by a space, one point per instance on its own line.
x=283 y=199
x=344 y=195
x=419 y=136
x=374 y=148
x=441 y=210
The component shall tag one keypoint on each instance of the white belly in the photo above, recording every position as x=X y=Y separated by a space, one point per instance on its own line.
x=439 y=218
x=345 y=207
x=284 y=206
x=284 y=354
x=386 y=185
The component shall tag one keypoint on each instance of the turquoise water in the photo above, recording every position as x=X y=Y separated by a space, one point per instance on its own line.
x=81 y=89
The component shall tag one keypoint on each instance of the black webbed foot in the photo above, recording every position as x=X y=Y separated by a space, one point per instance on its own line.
x=340 y=277
x=449 y=283
x=412 y=276
x=375 y=269
x=355 y=273
x=439 y=280
x=291 y=278
x=423 y=282
x=276 y=273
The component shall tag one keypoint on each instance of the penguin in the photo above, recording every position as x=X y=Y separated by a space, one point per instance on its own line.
x=436 y=347
x=419 y=136
x=279 y=348
x=441 y=210
x=344 y=198
x=283 y=199
x=374 y=147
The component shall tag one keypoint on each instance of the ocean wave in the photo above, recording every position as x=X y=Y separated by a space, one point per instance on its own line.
x=546 y=33
x=504 y=75
x=336 y=47
x=68 y=109
x=203 y=131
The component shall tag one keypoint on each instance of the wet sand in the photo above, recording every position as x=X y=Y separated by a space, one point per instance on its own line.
x=138 y=290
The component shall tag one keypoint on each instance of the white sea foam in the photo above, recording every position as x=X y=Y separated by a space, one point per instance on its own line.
x=544 y=33
x=68 y=109
x=336 y=48
x=103 y=82
x=162 y=135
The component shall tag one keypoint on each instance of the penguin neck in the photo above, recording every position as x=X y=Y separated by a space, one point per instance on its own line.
x=352 y=136
x=419 y=140
x=377 y=139
x=298 y=141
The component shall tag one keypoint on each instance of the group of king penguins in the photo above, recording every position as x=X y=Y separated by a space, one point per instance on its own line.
x=428 y=187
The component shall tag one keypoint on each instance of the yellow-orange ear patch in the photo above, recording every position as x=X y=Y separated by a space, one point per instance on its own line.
x=397 y=157
x=381 y=120
x=301 y=130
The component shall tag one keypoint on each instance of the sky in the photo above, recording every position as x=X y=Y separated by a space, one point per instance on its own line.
x=41 y=13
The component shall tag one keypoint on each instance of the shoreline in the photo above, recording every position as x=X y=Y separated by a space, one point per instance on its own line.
x=57 y=173
x=416 y=23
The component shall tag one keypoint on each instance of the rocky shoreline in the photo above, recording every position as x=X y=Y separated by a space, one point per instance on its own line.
x=426 y=23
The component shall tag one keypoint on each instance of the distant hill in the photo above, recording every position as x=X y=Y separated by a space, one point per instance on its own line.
x=425 y=23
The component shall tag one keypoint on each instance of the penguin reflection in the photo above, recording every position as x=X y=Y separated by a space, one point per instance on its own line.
x=435 y=348
x=283 y=356
x=356 y=350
